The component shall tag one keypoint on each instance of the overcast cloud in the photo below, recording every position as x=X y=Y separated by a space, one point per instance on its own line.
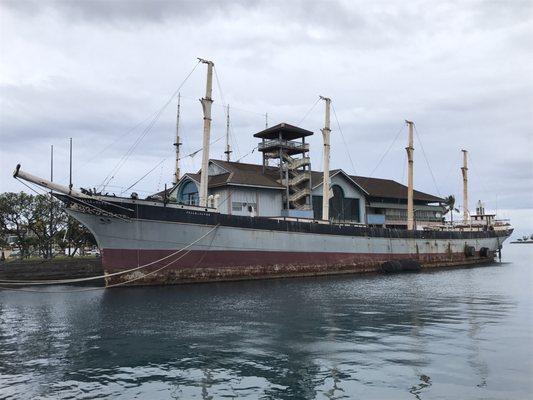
x=463 y=71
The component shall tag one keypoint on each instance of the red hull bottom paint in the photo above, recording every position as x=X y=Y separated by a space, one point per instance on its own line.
x=202 y=266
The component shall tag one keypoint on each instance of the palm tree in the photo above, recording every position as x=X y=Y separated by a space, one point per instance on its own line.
x=449 y=204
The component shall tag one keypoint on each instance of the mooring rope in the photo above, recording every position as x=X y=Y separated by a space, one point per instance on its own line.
x=61 y=281
x=97 y=288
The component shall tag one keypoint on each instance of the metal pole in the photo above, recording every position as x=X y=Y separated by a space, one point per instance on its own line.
x=178 y=143
x=228 y=150
x=326 y=180
x=464 y=171
x=18 y=173
x=410 y=149
x=70 y=192
x=51 y=248
x=70 y=166
x=207 y=101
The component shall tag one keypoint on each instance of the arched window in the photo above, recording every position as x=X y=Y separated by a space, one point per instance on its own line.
x=189 y=194
x=336 y=203
x=342 y=208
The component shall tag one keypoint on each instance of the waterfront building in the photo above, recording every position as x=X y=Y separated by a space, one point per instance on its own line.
x=290 y=189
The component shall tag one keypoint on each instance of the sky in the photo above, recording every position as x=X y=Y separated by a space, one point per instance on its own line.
x=104 y=73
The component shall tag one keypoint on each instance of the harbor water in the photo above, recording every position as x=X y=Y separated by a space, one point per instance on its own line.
x=446 y=334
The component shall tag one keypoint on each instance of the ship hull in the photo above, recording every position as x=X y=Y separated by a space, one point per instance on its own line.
x=179 y=245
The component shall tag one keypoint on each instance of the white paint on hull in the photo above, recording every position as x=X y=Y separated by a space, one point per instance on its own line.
x=113 y=233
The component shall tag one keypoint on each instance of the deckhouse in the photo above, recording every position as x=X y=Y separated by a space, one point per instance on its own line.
x=289 y=188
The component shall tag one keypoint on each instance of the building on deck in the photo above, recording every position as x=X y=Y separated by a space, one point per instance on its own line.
x=292 y=189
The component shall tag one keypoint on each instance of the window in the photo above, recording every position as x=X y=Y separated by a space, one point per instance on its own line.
x=340 y=208
x=239 y=206
x=189 y=194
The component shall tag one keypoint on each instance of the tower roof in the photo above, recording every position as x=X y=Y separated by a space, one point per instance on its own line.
x=287 y=131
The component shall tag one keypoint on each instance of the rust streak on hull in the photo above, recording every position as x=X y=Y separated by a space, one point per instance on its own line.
x=210 y=266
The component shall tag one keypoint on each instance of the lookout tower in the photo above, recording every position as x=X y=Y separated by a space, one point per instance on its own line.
x=286 y=143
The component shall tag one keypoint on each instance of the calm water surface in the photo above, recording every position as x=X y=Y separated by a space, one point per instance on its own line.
x=465 y=333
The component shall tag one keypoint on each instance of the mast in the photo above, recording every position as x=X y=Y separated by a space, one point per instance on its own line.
x=228 y=150
x=326 y=180
x=70 y=166
x=51 y=246
x=410 y=149
x=207 y=101
x=178 y=143
x=464 y=170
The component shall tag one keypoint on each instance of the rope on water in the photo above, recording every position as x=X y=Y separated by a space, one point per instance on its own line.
x=62 y=281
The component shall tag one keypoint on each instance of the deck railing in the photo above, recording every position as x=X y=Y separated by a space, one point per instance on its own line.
x=288 y=144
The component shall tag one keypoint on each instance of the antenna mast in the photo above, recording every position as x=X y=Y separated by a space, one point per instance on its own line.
x=228 y=150
x=410 y=207
x=326 y=180
x=177 y=143
x=207 y=102
x=464 y=171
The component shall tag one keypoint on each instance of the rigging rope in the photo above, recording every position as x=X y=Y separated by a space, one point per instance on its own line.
x=200 y=149
x=235 y=142
x=386 y=151
x=131 y=130
x=81 y=201
x=343 y=140
x=145 y=131
x=145 y=175
x=247 y=154
x=427 y=161
x=261 y=114
x=309 y=111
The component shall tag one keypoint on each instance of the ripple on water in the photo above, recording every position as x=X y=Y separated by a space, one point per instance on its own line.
x=447 y=334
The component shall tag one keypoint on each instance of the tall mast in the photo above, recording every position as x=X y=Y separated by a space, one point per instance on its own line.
x=178 y=143
x=410 y=149
x=464 y=170
x=51 y=246
x=70 y=166
x=326 y=180
x=207 y=101
x=228 y=150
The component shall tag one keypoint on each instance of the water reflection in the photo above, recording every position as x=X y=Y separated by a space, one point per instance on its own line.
x=378 y=337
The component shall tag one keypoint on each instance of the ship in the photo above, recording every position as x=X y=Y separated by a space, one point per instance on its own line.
x=237 y=221
x=523 y=240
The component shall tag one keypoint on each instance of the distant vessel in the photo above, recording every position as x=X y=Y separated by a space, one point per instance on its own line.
x=243 y=221
x=524 y=239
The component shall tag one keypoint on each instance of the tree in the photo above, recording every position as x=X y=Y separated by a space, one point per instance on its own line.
x=16 y=214
x=75 y=237
x=39 y=222
x=48 y=219
x=449 y=204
